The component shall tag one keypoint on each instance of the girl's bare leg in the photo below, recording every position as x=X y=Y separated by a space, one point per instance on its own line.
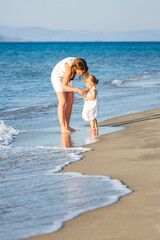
x=95 y=124
x=92 y=126
x=61 y=110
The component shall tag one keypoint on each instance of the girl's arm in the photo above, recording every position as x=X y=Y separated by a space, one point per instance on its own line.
x=66 y=80
x=87 y=90
x=93 y=95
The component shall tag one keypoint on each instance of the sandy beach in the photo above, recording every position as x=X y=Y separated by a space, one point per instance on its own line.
x=133 y=156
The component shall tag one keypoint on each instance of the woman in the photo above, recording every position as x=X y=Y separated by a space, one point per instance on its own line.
x=62 y=80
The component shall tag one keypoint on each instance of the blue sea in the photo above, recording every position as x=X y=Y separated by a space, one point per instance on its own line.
x=35 y=198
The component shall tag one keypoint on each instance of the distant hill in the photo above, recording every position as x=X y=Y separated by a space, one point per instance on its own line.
x=12 y=39
x=43 y=34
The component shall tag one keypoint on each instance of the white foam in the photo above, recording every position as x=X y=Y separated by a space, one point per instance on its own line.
x=143 y=76
x=7 y=134
x=116 y=82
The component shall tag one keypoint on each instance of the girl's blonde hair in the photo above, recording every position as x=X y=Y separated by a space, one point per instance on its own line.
x=91 y=78
x=78 y=64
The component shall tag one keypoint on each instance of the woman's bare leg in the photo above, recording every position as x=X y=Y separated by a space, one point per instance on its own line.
x=62 y=99
x=69 y=105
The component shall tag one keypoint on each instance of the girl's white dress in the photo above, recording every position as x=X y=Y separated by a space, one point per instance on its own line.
x=90 y=108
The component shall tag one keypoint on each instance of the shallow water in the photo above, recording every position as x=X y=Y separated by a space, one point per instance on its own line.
x=32 y=150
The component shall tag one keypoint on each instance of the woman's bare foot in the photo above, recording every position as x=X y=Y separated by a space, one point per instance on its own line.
x=65 y=130
x=91 y=130
x=72 y=129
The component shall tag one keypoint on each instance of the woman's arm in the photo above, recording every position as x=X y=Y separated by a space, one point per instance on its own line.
x=87 y=90
x=66 y=80
x=86 y=74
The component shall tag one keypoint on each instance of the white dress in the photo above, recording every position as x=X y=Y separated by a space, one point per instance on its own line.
x=58 y=74
x=91 y=107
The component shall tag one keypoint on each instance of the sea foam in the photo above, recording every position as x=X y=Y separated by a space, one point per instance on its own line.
x=7 y=134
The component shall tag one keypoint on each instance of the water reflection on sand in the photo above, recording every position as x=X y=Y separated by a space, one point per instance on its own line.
x=68 y=142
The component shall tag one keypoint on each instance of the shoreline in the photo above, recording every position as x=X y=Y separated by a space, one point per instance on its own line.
x=130 y=155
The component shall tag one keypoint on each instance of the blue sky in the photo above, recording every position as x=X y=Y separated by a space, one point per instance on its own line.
x=110 y=15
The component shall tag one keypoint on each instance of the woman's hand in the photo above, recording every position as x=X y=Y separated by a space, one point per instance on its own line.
x=81 y=91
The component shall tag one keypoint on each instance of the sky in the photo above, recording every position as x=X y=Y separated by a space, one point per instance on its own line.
x=94 y=15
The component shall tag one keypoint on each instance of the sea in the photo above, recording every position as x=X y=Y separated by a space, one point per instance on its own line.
x=35 y=197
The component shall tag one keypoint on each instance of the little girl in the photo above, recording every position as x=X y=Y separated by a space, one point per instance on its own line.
x=90 y=108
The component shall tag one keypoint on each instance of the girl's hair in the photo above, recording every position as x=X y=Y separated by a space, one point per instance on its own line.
x=91 y=78
x=78 y=64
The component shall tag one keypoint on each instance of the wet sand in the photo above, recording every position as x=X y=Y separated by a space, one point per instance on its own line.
x=133 y=156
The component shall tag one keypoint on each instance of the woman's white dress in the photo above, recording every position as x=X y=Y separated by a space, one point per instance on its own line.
x=90 y=108
x=58 y=74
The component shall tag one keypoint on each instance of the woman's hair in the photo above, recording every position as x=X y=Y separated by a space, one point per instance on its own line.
x=91 y=78
x=78 y=64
